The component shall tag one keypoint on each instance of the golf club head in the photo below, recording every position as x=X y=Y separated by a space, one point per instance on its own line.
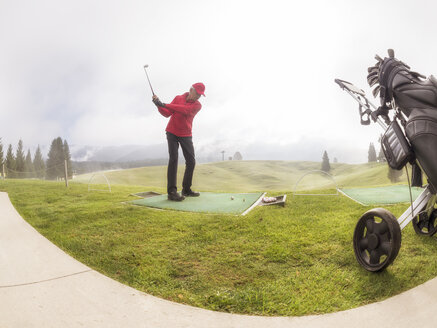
x=372 y=80
x=379 y=59
x=147 y=75
x=376 y=91
x=391 y=53
x=371 y=74
x=373 y=69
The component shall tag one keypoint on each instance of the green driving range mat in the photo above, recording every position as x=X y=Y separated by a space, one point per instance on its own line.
x=382 y=195
x=208 y=202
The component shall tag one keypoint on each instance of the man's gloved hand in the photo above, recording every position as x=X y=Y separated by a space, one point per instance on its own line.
x=157 y=102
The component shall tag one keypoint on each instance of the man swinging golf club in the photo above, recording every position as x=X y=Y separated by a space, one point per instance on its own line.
x=181 y=111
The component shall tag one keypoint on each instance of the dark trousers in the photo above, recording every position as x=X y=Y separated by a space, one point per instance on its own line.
x=190 y=161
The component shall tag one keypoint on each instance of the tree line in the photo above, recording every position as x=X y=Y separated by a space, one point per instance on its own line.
x=393 y=175
x=16 y=165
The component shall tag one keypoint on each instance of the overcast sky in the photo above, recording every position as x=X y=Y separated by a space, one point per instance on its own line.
x=75 y=68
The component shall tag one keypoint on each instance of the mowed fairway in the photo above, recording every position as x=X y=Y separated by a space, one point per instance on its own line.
x=247 y=176
x=295 y=260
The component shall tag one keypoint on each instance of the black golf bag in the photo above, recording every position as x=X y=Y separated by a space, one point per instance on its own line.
x=410 y=137
x=416 y=97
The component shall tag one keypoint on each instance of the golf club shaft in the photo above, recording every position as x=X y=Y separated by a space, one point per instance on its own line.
x=145 y=70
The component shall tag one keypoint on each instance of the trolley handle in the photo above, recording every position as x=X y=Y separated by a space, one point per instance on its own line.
x=365 y=105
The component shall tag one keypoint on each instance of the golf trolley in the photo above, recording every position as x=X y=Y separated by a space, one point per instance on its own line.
x=410 y=137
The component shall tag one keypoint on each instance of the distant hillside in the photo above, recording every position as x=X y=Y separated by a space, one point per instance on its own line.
x=92 y=166
x=211 y=151
x=256 y=176
x=126 y=153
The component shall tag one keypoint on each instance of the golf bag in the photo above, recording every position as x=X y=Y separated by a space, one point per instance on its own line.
x=410 y=137
x=416 y=97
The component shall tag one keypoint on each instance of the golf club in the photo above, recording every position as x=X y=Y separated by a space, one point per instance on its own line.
x=145 y=66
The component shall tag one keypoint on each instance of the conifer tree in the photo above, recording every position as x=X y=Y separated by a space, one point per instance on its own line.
x=394 y=175
x=371 y=153
x=10 y=163
x=55 y=160
x=238 y=156
x=1 y=158
x=19 y=160
x=326 y=167
x=381 y=156
x=67 y=157
x=1 y=152
x=28 y=166
x=38 y=164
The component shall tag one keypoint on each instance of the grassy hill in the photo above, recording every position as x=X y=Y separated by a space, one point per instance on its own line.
x=292 y=260
x=237 y=176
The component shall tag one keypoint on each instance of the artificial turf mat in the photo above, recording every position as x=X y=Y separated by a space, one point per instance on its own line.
x=208 y=202
x=382 y=195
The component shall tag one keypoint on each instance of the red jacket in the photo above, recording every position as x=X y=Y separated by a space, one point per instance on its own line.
x=181 y=115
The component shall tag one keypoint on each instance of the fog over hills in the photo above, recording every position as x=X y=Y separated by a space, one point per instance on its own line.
x=212 y=152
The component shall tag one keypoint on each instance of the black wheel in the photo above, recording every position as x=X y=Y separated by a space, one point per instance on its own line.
x=424 y=224
x=377 y=239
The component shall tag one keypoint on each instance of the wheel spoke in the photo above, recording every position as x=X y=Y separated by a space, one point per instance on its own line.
x=432 y=223
x=423 y=224
x=384 y=237
x=381 y=228
x=364 y=243
x=370 y=224
x=385 y=248
x=374 y=257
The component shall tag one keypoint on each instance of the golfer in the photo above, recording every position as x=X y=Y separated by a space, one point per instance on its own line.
x=181 y=111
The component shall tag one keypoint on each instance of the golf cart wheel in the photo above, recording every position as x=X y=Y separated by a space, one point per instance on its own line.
x=424 y=224
x=377 y=239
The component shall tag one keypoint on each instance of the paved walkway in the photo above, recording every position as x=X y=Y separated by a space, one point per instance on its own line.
x=41 y=286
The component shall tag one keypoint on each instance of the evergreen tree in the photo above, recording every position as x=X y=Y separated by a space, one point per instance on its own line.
x=10 y=163
x=19 y=160
x=28 y=166
x=394 y=175
x=381 y=156
x=1 y=152
x=1 y=159
x=237 y=156
x=371 y=153
x=67 y=157
x=55 y=160
x=325 y=162
x=38 y=164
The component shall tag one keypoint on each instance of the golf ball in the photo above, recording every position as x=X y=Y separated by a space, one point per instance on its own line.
x=232 y=197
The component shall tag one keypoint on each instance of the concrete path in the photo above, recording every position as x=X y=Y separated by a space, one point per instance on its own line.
x=41 y=286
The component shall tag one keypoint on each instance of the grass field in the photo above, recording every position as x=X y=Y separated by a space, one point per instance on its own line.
x=295 y=260
x=248 y=176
